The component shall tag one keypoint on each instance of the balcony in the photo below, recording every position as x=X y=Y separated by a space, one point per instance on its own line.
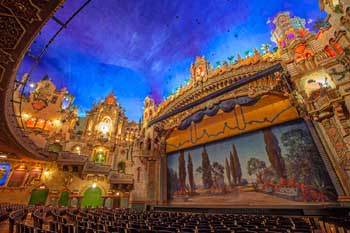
x=115 y=177
x=96 y=168
x=68 y=158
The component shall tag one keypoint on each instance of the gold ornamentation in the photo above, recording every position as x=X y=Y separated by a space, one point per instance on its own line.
x=342 y=151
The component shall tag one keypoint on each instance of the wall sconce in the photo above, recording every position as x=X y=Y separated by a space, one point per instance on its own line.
x=46 y=172
x=93 y=185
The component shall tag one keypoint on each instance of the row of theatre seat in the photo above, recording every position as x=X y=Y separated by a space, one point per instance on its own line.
x=74 y=220
x=7 y=208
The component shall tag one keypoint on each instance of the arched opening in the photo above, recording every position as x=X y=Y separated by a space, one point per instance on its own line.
x=39 y=196
x=121 y=167
x=64 y=199
x=92 y=198
x=100 y=155
x=76 y=149
x=108 y=203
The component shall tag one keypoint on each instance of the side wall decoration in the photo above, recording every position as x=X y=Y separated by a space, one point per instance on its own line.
x=18 y=177
x=279 y=165
x=5 y=169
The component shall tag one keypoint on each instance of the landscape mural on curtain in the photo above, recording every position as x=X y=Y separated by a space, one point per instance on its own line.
x=277 y=165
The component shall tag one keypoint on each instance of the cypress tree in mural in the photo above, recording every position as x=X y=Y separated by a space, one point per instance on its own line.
x=190 y=174
x=274 y=152
x=182 y=172
x=228 y=173
x=238 y=170
x=206 y=168
x=233 y=169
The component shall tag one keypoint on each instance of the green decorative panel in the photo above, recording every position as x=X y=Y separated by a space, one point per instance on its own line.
x=38 y=197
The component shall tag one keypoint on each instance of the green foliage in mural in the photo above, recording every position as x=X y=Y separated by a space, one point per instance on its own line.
x=182 y=172
x=172 y=185
x=304 y=161
x=228 y=173
x=236 y=170
x=205 y=169
x=190 y=174
x=274 y=152
x=257 y=167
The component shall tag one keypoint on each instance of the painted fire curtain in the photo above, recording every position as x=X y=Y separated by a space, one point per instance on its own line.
x=274 y=165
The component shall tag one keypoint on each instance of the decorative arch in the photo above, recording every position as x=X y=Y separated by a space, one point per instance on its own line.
x=76 y=149
x=315 y=81
x=64 y=198
x=121 y=167
x=100 y=154
x=92 y=197
x=89 y=185
x=39 y=195
x=105 y=125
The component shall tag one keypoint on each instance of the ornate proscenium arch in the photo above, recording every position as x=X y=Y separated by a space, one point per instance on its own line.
x=277 y=68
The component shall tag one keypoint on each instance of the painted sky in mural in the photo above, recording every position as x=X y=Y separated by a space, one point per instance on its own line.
x=264 y=176
x=140 y=47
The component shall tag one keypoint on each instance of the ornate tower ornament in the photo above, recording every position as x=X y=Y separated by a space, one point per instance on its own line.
x=199 y=70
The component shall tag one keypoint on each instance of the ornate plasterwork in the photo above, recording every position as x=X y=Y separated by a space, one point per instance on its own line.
x=342 y=151
x=5 y=58
x=271 y=84
x=217 y=79
x=11 y=31
x=23 y=9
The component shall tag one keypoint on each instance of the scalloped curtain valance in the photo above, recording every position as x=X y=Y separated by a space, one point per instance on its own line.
x=226 y=106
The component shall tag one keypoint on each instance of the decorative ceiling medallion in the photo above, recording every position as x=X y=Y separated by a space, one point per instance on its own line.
x=23 y=9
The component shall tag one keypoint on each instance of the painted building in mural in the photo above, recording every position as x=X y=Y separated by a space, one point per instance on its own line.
x=271 y=128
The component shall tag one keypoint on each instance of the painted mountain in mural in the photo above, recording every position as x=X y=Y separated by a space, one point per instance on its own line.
x=277 y=165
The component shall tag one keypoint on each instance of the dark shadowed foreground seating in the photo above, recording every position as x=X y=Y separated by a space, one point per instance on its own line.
x=75 y=220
